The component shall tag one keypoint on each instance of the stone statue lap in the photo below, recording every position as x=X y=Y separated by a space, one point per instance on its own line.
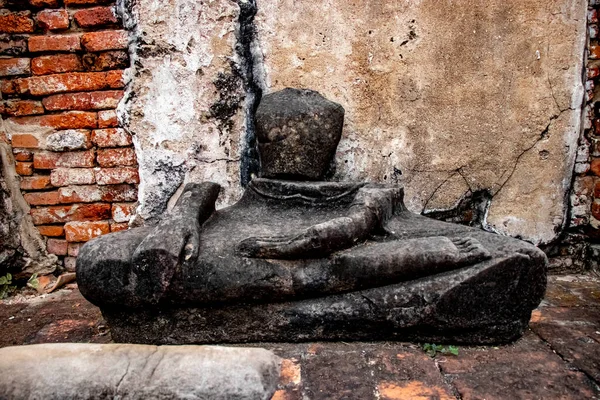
x=300 y=259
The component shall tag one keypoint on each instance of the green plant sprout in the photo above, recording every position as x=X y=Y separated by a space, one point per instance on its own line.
x=33 y=281
x=6 y=286
x=432 y=349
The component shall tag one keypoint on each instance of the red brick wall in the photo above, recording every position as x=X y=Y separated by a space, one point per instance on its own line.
x=61 y=78
x=588 y=176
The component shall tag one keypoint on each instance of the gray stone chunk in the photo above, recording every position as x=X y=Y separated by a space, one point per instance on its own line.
x=71 y=139
x=107 y=371
x=298 y=131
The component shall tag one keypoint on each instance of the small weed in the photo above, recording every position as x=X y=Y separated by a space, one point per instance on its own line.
x=33 y=281
x=6 y=286
x=432 y=349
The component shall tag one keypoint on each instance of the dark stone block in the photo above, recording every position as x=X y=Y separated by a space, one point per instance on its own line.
x=297 y=132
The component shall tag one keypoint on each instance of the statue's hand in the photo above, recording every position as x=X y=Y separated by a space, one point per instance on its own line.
x=316 y=241
x=287 y=246
x=370 y=207
x=174 y=241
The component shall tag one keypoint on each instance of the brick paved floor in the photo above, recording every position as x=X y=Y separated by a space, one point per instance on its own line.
x=558 y=358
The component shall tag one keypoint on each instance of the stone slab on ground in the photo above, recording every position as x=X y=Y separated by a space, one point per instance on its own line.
x=569 y=321
x=557 y=358
x=91 y=371
x=527 y=369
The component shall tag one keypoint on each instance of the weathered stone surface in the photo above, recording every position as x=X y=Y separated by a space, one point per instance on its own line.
x=85 y=371
x=452 y=98
x=456 y=306
x=298 y=132
x=569 y=321
x=187 y=112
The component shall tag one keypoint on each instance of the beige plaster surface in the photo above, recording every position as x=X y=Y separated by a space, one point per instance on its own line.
x=447 y=97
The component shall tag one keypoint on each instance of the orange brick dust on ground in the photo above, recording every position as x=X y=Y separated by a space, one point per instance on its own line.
x=558 y=358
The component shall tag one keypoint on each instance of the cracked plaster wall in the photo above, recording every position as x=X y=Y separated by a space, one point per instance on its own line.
x=186 y=98
x=449 y=98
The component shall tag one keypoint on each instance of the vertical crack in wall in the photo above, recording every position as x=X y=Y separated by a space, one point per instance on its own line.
x=250 y=59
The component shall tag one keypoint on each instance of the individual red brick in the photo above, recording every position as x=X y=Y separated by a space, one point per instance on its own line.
x=44 y=3
x=115 y=137
x=72 y=159
x=73 y=249
x=70 y=264
x=116 y=157
x=105 y=40
x=122 y=212
x=116 y=59
x=42 y=198
x=72 y=176
x=114 y=176
x=15 y=86
x=56 y=64
x=85 y=2
x=83 y=231
x=46 y=160
x=116 y=227
x=597 y=189
x=94 y=193
x=595 y=166
x=22 y=155
x=55 y=43
x=57 y=246
x=14 y=66
x=83 y=101
x=593 y=72
x=96 y=16
x=16 y=22
x=24 y=168
x=107 y=119
x=51 y=230
x=67 y=120
x=53 y=19
x=594 y=52
x=38 y=182
x=25 y=140
x=75 y=82
x=71 y=120
x=75 y=212
x=596 y=209
x=19 y=108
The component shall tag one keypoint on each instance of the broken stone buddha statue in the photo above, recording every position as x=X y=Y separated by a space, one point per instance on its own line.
x=298 y=258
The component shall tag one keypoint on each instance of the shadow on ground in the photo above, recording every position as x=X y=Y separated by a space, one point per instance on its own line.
x=558 y=358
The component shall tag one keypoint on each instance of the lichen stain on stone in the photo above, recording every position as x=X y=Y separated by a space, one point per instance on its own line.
x=230 y=99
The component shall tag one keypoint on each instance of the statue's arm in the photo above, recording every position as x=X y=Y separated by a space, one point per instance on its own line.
x=370 y=209
x=174 y=240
